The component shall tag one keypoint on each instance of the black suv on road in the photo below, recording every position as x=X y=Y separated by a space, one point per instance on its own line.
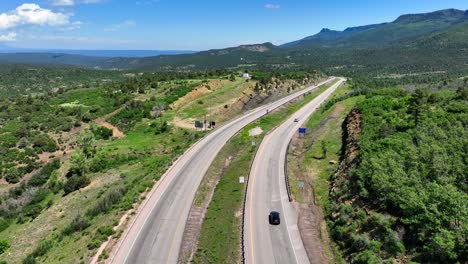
x=274 y=218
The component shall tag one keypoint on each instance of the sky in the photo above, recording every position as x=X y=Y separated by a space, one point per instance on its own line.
x=189 y=24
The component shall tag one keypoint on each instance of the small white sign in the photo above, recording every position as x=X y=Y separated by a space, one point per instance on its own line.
x=241 y=179
x=253 y=143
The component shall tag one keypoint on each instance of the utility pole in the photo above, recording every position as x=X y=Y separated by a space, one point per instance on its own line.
x=204 y=122
x=211 y=106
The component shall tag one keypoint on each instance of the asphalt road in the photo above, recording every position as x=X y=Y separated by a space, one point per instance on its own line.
x=265 y=243
x=155 y=234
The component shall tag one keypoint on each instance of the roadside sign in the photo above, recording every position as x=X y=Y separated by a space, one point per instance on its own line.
x=301 y=184
x=198 y=124
x=253 y=143
x=241 y=179
x=302 y=130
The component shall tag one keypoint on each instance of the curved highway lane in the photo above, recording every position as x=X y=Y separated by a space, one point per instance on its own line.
x=265 y=243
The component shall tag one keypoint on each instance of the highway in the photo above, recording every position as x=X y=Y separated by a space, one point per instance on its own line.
x=265 y=243
x=155 y=234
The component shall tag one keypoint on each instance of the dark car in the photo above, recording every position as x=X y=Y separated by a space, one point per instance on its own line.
x=296 y=119
x=274 y=218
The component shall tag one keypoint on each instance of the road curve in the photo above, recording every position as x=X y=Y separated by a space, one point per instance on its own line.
x=265 y=243
x=155 y=234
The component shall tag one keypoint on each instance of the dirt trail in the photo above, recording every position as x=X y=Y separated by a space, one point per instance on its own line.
x=102 y=122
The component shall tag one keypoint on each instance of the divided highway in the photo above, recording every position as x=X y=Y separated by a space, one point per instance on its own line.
x=265 y=243
x=155 y=234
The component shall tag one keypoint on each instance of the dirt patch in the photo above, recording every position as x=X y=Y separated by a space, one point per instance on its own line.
x=101 y=121
x=197 y=92
x=309 y=220
x=183 y=123
x=255 y=131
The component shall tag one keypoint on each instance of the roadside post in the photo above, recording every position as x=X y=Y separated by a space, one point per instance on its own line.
x=301 y=186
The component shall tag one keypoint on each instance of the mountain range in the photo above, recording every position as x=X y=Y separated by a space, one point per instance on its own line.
x=432 y=41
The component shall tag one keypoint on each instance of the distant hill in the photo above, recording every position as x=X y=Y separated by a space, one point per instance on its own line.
x=404 y=28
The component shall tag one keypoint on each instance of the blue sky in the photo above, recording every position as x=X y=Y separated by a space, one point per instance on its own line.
x=189 y=24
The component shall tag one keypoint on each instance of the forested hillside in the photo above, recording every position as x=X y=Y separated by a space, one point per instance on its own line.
x=23 y=79
x=401 y=190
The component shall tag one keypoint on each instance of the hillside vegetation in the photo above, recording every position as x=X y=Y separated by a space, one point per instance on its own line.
x=401 y=190
x=66 y=181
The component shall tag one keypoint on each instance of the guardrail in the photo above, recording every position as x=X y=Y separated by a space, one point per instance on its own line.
x=286 y=178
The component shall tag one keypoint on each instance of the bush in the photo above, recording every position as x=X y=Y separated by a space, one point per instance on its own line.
x=4 y=245
x=103 y=205
x=43 y=175
x=12 y=176
x=43 y=248
x=44 y=143
x=75 y=183
x=29 y=260
x=367 y=257
x=161 y=128
x=78 y=224
x=101 y=132
x=4 y=224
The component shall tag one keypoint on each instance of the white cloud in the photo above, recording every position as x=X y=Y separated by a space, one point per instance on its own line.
x=91 y=1
x=73 y=26
x=8 y=37
x=272 y=6
x=63 y=3
x=123 y=25
x=32 y=14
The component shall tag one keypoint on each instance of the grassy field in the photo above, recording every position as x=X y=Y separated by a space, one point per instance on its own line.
x=219 y=240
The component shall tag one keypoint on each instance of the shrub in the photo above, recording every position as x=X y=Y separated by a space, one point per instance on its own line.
x=44 y=143
x=4 y=245
x=367 y=257
x=29 y=260
x=43 y=175
x=4 y=224
x=12 y=176
x=101 y=132
x=75 y=183
x=43 y=248
x=161 y=128
x=78 y=224
x=95 y=243
x=103 y=205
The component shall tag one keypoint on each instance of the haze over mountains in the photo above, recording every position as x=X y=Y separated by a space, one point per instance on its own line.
x=99 y=53
x=407 y=40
